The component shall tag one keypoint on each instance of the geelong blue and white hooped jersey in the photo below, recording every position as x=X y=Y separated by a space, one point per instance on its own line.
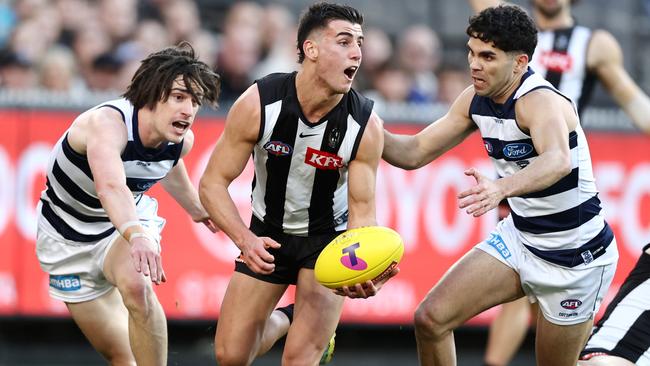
x=562 y=223
x=70 y=203
x=561 y=58
x=301 y=168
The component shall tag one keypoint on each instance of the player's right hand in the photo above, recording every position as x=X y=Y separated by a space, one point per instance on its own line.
x=256 y=257
x=146 y=259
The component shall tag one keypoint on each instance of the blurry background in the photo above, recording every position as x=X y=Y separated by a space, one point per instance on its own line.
x=58 y=57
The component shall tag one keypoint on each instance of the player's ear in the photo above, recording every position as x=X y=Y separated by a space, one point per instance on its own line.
x=311 y=49
x=521 y=63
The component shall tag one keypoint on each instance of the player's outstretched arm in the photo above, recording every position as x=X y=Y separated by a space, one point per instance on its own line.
x=415 y=151
x=106 y=136
x=228 y=160
x=178 y=184
x=609 y=68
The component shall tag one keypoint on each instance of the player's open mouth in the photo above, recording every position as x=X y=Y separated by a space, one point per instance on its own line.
x=350 y=71
x=181 y=126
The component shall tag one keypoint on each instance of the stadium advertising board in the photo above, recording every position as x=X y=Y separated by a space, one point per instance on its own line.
x=421 y=205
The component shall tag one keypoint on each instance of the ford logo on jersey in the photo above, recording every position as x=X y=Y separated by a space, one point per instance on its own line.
x=517 y=150
x=571 y=304
x=277 y=148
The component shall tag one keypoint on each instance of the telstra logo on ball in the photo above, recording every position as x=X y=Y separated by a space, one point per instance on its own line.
x=351 y=260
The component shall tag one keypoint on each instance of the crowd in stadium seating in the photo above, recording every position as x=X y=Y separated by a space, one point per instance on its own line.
x=73 y=47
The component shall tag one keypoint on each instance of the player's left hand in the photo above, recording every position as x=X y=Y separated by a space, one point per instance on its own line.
x=367 y=289
x=481 y=198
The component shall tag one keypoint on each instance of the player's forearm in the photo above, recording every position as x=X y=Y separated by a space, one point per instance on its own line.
x=401 y=151
x=117 y=200
x=638 y=109
x=542 y=173
x=222 y=210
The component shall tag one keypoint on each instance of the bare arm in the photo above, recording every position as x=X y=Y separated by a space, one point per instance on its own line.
x=178 y=184
x=228 y=160
x=548 y=117
x=105 y=138
x=608 y=65
x=415 y=151
x=362 y=176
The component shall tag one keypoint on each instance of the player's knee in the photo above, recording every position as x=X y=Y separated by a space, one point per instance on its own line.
x=229 y=356
x=307 y=355
x=428 y=322
x=138 y=295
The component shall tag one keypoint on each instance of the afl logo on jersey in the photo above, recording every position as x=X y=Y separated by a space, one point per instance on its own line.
x=517 y=150
x=277 y=148
x=556 y=61
x=488 y=147
x=571 y=304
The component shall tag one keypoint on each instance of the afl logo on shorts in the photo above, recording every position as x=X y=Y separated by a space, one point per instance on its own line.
x=350 y=259
x=571 y=304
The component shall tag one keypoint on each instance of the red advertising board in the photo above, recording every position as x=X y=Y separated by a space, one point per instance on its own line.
x=419 y=204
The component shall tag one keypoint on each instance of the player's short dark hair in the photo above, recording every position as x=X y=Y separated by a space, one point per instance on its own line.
x=508 y=27
x=153 y=80
x=318 y=16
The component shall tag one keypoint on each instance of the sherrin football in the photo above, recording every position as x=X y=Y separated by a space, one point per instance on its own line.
x=358 y=255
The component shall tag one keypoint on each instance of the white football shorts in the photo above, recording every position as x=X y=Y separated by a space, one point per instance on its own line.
x=76 y=269
x=565 y=295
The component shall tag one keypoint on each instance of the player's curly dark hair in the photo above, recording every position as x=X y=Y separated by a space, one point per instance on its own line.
x=318 y=16
x=153 y=80
x=508 y=27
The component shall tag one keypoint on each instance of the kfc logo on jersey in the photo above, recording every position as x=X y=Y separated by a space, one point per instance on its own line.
x=571 y=304
x=323 y=160
x=556 y=61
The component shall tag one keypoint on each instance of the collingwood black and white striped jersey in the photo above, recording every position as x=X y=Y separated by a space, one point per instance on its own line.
x=301 y=168
x=624 y=329
x=562 y=223
x=70 y=203
x=561 y=58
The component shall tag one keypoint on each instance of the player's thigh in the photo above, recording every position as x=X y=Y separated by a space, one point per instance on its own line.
x=246 y=306
x=316 y=315
x=119 y=269
x=559 y=345
x=104 y=321
x=475 y=283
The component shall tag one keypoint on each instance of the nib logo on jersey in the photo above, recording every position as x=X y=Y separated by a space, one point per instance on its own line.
x=323 y=160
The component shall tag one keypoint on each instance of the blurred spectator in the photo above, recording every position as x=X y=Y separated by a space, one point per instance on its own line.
x=452 y=80
x=58 y=71
x=182 y=19
x=27 y=9
x=419 y=53
x=75 y=15
x=244 y=15
x=7 y=21
x=104 y=73
x=206 y=45
x=238 y=55
x=391 y=84
x=27 y=40
x=377 y=50
x=88 y=43
x=149 y=37
x=16 y=71
x=278 y=48
x=119 y=18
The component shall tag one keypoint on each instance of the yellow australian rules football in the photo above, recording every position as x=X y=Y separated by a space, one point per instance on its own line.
x=359 y=255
